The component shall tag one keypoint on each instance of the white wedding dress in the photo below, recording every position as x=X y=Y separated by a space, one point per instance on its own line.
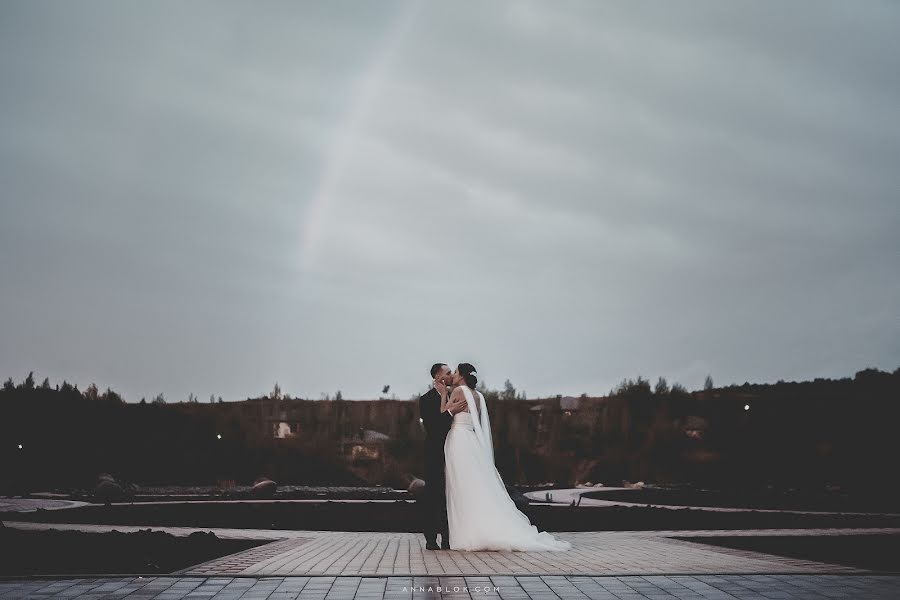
x=480 y=512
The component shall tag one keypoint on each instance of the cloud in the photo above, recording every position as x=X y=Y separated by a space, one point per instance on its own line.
x=564 y=195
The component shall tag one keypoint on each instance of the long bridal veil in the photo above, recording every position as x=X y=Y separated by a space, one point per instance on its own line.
x=482 y=424
x=480 y=421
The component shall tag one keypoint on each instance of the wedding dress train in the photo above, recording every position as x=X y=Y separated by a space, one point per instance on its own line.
x=480 y=512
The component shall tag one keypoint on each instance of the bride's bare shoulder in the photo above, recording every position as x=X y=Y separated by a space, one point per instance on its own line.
x=458 y=393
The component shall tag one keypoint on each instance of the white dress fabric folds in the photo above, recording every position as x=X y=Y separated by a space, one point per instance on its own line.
x=480 y=512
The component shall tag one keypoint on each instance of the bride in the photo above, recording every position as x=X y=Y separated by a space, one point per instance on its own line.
x=480 y=512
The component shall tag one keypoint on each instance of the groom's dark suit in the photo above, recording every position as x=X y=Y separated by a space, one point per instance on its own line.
x=437 y=424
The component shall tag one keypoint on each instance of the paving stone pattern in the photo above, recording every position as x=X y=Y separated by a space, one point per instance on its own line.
x=675 y=587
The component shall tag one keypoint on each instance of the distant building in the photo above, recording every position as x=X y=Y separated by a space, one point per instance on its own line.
x=569 y=403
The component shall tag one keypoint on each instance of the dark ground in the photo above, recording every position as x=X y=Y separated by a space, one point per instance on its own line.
x=882 y=500
x=873 y=552
x=404 y=516
x=143 y=552
x=285 y=492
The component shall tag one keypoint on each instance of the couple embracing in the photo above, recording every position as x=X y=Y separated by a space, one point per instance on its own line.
x=465 y=498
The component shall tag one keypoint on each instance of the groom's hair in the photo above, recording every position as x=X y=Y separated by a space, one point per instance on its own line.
x=436 y=368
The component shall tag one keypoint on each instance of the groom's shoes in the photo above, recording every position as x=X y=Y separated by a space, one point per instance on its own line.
x=445 y=542
x=431 y=545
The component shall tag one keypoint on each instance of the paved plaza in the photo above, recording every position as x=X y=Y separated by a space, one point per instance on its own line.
x=593 y=553
x=598 y=553
x=661 y=587
x=374 y=566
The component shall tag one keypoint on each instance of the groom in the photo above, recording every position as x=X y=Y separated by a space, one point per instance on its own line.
x=437 y=424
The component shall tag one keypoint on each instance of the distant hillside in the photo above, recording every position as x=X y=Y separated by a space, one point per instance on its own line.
x=827 y=432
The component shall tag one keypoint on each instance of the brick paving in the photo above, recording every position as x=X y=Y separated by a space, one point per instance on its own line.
x=532 y=587
x=593 y=553
x=241 y=561
x=324 y=553
x=322 y=565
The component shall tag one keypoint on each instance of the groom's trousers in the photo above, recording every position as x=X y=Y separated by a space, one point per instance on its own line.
x=437 y=424
x=435 y=505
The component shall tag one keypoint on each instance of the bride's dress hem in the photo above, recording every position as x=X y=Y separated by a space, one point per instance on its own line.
x=481 y=515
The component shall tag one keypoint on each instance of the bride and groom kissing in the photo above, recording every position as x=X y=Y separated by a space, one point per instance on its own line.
x=465 y=499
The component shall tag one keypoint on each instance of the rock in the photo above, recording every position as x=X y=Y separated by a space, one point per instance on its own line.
x=107 y=490
x=416 y=487
x=370 y=436
x=263 y=488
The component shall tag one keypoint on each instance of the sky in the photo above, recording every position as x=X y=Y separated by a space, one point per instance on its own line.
x=211 y=197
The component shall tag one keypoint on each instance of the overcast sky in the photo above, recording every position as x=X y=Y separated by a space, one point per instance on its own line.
x=211 y=197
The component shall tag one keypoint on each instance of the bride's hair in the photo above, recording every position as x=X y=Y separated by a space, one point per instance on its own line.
x=468 y=373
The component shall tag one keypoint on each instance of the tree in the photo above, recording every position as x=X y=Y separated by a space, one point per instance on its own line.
x=220 y=398
x=29 y=381
x=662 y=387
x=633 y=388
x=275 y=394
x=338 y=396
x=9 y=385
x=212 y=398
x=45 y=385
x=111 y=397
x=509 y=392
x=92 y=393
x=159 y=399
x=489 y=394
x=708 y=384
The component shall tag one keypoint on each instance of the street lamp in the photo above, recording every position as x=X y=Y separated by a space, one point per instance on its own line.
x=218 y=436
x=20 y=446
x=746 y=407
